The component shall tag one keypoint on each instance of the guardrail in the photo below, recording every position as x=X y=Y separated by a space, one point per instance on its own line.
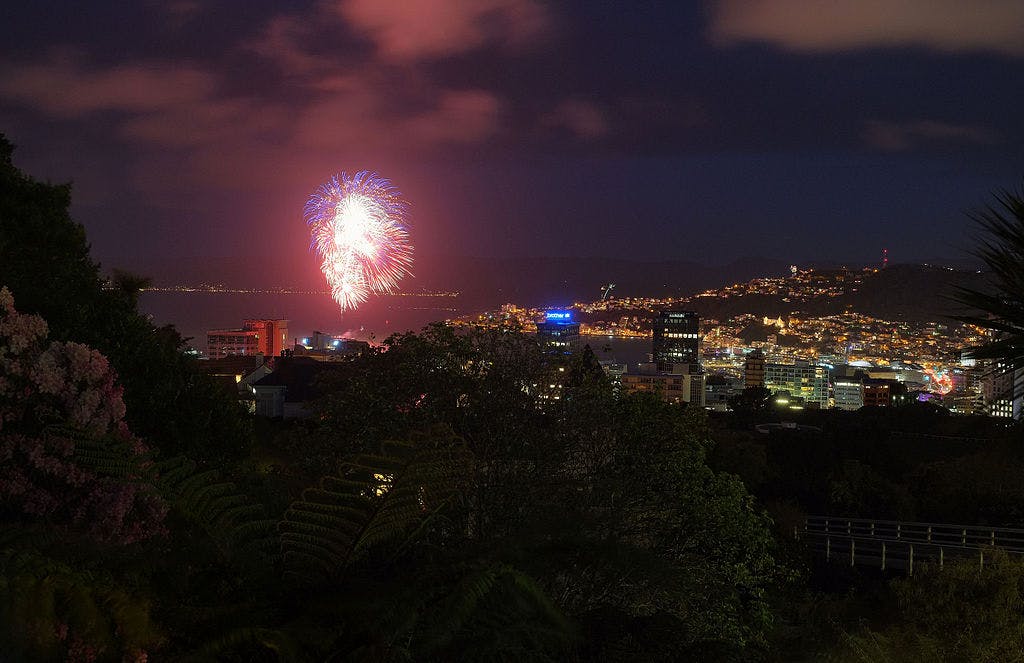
x=897 y=545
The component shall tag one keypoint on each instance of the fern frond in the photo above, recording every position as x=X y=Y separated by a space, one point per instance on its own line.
x=497 y=598
x=243 y=640
x=202 y=497
x=373 y=502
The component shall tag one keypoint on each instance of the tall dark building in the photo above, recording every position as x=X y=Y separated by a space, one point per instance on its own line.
x=676 y=338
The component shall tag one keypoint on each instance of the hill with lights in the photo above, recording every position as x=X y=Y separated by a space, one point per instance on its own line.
x=911 y=293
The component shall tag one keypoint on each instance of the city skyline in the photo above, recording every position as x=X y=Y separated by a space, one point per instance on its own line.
x=517 y=128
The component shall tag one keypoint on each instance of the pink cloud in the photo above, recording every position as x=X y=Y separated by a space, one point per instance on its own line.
x=65 y=89
x=438 y=28
x=582 y=118
x=896 y=137
x=357 y=114
x=831 y=25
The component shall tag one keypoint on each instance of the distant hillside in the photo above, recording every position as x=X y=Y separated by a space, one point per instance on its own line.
x=917 y=293
x=557 y=281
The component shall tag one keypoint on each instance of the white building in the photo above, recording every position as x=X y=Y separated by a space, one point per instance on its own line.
x=848 y=393
x=675 y=383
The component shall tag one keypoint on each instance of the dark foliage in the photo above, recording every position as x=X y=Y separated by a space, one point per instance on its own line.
x=44 y=261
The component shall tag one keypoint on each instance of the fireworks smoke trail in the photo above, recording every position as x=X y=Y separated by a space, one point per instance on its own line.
x=360 y=231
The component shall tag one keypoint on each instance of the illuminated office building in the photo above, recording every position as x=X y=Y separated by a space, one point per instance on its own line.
x=558 y=333
x=674 y=383
x=800 y=379
x=676 y=338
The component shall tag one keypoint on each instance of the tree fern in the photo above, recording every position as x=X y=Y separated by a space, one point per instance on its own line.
x=375 y=501
x=107 y=457
x=247 y=643
x=1000 y=311
x=46 y=605
x=491 y=603
x=205 y=499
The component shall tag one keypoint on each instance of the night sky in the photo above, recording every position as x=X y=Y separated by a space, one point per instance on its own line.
x=792 y=129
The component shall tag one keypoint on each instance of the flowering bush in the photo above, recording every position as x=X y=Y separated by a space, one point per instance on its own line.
x=57 y=400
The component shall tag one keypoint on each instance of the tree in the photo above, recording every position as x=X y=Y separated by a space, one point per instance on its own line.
x=72 y=495
x=45 y=263
x=961 y=612
x=652 y=553
x=1000 y=311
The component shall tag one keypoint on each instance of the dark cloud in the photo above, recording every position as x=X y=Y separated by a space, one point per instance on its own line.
x=62 y=86
x=567 y=127
x=896 y=137
x=835 y=25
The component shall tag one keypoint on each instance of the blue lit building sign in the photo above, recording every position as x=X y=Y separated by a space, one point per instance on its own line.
x=558 y=316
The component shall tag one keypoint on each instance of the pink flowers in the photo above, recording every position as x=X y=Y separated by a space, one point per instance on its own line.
x=53 y=398
x=17 y=331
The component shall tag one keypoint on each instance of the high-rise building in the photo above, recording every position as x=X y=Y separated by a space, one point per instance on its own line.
x=558 y=333
x=676 y=338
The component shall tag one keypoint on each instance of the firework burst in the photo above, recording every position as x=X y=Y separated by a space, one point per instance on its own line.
x=360 y=231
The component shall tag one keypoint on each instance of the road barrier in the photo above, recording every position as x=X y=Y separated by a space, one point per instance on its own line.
x=899 y=545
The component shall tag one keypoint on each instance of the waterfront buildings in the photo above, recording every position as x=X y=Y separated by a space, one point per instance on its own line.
x=266 y=337
x=271 y=335
x=221 y=343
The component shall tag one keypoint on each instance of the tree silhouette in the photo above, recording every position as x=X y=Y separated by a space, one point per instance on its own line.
x=1001 y=310
x=45 y=263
